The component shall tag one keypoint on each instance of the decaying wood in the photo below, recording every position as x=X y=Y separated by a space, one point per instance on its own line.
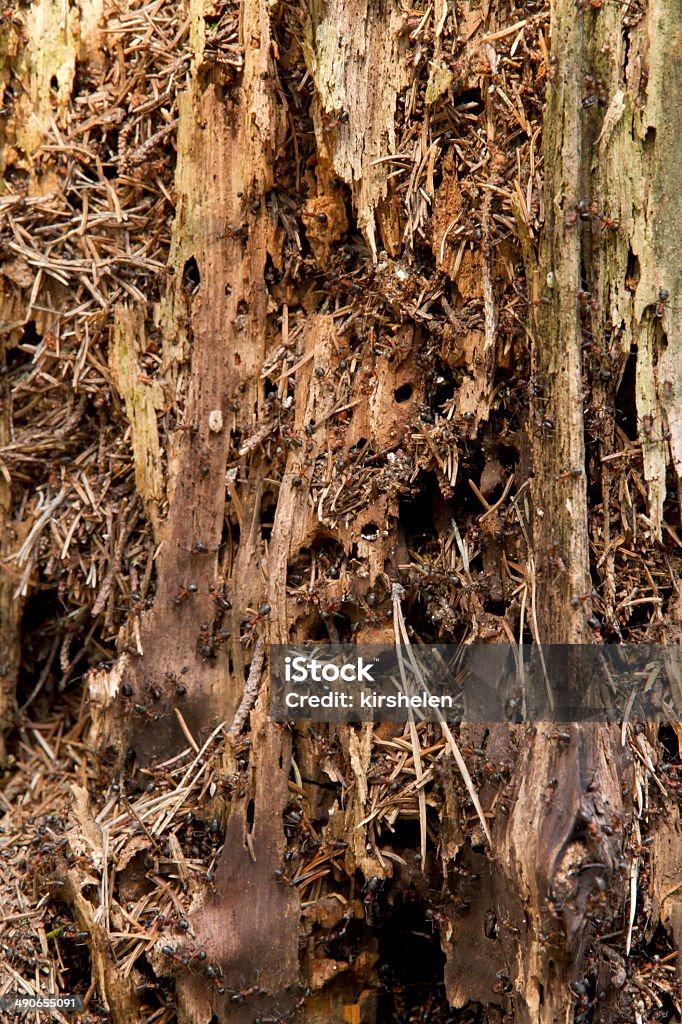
x=143 y=401
x=320 y=325
x=358 y=77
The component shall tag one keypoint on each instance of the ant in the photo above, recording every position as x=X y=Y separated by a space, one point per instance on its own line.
x=550 y=790
x=154 y=691
x=234 y=231
x=184 y=592
x=245 y=992
x=590 y=97
x=587 y=300
x=329 y=121
x=580 y=210
x=648 y=429
x=647 y=425
x=186 y=958
x=144 y=712
x=558 y=563
x=219 y=597
x=545 y=425
x=8 y=15
x=595 y=625
x=570 y=474
x=137 y=605
x=584 y=211
x=262 y=613
x=397 y=348
x=663 y=296
x=594 y=91
x=612 y=223
x=503 y=985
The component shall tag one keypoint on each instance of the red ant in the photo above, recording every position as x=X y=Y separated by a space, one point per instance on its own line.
x=545 y=425
x=184 y=592
x=234 y=231
x=558 y=563
x=663 y=296
x=570 y=474
x=193 y=428
x=648 y=429
x=595 y=625
x=262 y=613
x=584 y=211
x=145 y=712
x=647 y=425
x=587 y=300
x=329 y=122
x=612 y=223
x=245 y=992
x=550 y=790
x=219 y=598
x=594 y=91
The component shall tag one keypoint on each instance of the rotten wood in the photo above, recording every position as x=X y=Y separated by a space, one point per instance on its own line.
x=319 y=321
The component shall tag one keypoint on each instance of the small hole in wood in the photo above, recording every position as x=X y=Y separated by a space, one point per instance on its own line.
x=191 y=278
x=403 y=393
